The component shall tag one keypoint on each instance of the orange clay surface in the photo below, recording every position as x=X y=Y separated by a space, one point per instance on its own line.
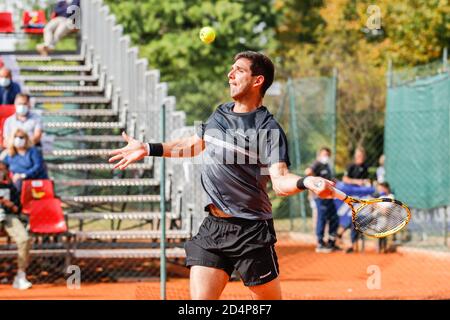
x=304 y=274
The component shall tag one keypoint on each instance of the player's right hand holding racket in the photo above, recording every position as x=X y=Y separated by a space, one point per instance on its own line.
x=379 y=217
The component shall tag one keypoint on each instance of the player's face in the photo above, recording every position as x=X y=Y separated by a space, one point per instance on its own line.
x=240 y=79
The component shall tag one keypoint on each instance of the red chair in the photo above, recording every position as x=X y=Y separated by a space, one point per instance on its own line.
x=34 y=190
x=6 y=110
x=47 y=217
x=34 y=21
x=6 y=22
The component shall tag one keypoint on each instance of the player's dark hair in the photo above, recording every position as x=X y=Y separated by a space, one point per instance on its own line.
x=261 y=65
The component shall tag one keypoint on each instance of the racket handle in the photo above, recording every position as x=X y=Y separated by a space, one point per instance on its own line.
x=338 y=194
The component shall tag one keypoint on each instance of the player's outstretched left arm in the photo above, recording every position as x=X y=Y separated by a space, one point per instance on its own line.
x=285 y=183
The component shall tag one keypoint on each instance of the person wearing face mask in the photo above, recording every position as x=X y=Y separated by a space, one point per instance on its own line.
x=59 y=26
x=9 y=220
x=24 y=119
x=8 y=88
x=24 y=160
x=326 y=210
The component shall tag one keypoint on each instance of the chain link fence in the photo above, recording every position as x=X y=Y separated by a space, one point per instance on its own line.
x=411 y=136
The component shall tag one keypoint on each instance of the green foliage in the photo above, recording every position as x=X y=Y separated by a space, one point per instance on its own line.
x=304 y=38
x=167 y=34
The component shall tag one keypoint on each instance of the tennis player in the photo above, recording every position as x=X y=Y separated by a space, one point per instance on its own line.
x=243 y=147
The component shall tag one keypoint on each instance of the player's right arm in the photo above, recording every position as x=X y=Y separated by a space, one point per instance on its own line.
x=136 y=150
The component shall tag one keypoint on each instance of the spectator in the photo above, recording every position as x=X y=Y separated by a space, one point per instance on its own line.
x=380 y=170
x=24 y=119
x=9 y=210
x=24 y=160
x=357 y=172
x=8 y=88
x=326 y=210
x=58 y=27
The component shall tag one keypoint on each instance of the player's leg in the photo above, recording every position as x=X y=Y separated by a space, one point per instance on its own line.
x=320 y=227
x=210 y=270
x=333 y=220
x=207 y=283
x=257 y=263
x=267 y=291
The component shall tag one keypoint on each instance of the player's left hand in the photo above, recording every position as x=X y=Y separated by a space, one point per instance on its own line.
x=323 y=188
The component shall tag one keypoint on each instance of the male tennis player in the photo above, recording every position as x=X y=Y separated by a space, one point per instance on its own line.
x=243 y=147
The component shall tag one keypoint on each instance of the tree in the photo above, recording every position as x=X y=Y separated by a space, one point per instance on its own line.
x=412 y=33
x=167 y=34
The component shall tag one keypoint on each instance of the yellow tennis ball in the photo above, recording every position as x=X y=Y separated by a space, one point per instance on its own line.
x=207 y=34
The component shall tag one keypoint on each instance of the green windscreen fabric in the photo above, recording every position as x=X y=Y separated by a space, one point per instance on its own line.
x=417 y=142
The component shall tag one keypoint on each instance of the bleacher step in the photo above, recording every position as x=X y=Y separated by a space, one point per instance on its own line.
x=79 y=113
x=131 y=234
x=85 y=125
x=79 y=152
x=96 y=166
x=129 y=253
x=111 y=198
x=73 y=99
x=107 y=182
x=119 y=215
x=60 y=78
x=65 y=88
x=35 y=253
x=53 y=57
x=55 y=68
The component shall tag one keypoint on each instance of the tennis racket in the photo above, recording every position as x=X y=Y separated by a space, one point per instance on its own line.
x=377 y=218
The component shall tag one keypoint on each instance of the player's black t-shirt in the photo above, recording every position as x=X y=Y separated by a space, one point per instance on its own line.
x=240 y=147
x=321 y=170
x=355 y=171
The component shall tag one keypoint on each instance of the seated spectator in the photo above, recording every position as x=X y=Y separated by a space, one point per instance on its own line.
x=58 y=27
x=24 y=119
x=24 y=160
x=380 y=170
x=8 y=88
x=9 y=210
x=346 y=221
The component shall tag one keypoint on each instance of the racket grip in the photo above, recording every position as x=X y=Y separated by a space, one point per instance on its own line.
x=338 y=194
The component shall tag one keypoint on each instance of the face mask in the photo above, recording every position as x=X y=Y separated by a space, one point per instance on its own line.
x=4 y=82
x=324 y=160
x=21 y=109
x=19 y=142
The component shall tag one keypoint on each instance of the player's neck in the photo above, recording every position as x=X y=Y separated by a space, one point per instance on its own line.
x=247 y=104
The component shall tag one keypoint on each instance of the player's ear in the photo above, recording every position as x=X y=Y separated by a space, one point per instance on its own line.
x=258 y=80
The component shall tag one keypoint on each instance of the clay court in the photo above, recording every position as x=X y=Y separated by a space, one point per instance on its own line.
x=407 y=274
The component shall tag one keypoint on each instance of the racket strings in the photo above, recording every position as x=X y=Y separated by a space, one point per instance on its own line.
x=380 y=218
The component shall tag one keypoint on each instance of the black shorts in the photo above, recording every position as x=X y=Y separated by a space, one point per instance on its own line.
x=236 y=243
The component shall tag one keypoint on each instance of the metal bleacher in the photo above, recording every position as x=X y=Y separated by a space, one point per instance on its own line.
x=103 y=90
